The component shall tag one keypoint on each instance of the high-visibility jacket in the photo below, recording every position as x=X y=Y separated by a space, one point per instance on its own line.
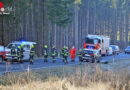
x=13 y=52
x=80 y=53
x=18 y=52
x=32 y=51
x=54 y=52
x=22 y=50
x=63 y=51
x=66 y=53
x=45 y=52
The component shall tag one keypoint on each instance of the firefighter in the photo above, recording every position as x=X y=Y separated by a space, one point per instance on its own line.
x=13 y=52
x=32 y=53
x=22 y=50
x=53 y=54
x=62 y=53
x=66 y=52
x=80 y=56
x=45 y=53
x=19 y=54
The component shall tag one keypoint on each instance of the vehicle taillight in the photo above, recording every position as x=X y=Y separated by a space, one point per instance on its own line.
x=7 y=51
x=85 y=45
x=92 y=55
x=83 y=53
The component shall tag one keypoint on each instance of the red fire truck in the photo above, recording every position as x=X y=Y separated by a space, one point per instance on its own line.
x=99 y=43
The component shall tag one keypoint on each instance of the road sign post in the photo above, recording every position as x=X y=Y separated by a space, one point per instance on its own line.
x=114 y=57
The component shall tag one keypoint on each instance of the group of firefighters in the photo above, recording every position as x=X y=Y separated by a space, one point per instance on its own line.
x=64 y=53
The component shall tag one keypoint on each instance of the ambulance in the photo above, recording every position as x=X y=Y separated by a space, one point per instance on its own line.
x=26 y=45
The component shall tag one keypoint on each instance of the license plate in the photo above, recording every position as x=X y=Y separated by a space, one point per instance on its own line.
x=87 y=55
x=86 y=58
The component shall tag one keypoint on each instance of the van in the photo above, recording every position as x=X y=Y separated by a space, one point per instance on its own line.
x=115 y=49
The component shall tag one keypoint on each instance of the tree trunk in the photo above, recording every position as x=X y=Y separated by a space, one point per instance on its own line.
x=76 y=26
x=2 y=31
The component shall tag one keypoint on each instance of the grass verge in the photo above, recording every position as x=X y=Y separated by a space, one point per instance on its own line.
x=79 y=77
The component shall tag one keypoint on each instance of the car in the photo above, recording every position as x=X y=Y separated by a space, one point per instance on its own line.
x=2 y=53
x=115 y=49
x=127 y=50
x=91 y=56
x=110 y=52
x=26 y=46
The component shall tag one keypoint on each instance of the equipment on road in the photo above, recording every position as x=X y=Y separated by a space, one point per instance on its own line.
x=26 y=45
x=45 y=53
x=97 y=42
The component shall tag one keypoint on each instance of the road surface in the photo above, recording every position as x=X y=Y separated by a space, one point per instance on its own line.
x=39 y=63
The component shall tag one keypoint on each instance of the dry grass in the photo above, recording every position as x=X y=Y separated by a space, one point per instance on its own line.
x=79 y=80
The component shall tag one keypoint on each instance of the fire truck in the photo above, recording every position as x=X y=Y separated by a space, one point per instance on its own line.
x=97 y=43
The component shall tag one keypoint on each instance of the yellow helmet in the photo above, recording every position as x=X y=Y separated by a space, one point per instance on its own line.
x=45 y=46
x=67 y=48
x=19 y=47
x=32 y=46
x=80 y=49
x=22 y=45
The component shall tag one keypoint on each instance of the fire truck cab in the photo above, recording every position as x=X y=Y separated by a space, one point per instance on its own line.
x=97 y=42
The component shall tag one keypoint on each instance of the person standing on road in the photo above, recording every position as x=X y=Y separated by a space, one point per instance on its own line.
x=45 y=53
x=72 y=53
x=80 y=56
x=13 y=52
x=22 y=50
x=66 y=55
x=32 y=53
x=62 y=53
x=53 y=54
x=19 y=54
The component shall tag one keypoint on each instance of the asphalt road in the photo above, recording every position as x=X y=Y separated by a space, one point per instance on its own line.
x=39 y=63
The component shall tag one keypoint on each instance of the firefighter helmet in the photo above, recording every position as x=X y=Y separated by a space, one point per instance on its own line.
x=80 y=49
x=32 y=46
x=67 y=48
x=21 y=45
x=45 y=46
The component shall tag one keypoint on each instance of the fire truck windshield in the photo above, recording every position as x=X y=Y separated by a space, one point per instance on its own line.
x=91 y=41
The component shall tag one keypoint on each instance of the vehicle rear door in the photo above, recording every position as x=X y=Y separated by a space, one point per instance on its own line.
x=26 y=52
